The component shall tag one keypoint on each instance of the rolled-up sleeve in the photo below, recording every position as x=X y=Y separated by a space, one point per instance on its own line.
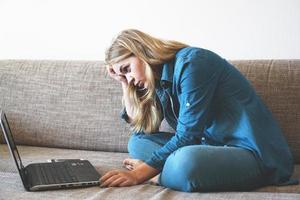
x=197 y=84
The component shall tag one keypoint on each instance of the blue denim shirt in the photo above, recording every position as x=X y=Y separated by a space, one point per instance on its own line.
x=214 y=104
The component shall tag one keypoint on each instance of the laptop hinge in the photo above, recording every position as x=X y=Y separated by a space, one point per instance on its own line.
x=24 y=177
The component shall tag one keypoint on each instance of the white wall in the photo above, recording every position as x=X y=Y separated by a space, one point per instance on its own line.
x=83 y=29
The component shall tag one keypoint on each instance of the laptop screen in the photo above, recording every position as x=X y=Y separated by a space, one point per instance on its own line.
x=10 y=141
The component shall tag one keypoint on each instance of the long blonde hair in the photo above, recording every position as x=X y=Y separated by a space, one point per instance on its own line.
x=153 y=52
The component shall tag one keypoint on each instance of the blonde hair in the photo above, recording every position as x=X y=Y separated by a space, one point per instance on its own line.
x=153 y=52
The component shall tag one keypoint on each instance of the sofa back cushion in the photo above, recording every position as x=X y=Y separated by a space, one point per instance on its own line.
x=66 y=104
x=75 y=104
x=278 y=83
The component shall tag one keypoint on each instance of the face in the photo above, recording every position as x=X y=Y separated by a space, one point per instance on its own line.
x=133 y=70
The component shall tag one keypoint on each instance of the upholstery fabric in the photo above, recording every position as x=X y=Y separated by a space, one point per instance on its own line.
x=63 y=104
x=70 y=109
x=75 y=104
x=11 y=185
x=278 y=83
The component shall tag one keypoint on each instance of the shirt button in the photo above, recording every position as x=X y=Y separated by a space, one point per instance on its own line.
x=187 y=104
x=163 y=84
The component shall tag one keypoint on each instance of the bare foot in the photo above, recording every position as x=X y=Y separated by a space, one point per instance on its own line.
x=131 y=164
x=154 y=180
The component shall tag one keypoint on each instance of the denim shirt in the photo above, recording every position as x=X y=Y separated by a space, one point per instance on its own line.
x=214 y=104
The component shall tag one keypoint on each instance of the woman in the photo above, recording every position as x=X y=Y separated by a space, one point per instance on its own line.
x=225 y=139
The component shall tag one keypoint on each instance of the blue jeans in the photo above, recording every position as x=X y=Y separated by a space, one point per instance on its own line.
x=200 y=167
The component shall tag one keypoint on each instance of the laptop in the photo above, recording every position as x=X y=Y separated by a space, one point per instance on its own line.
x=57 y=174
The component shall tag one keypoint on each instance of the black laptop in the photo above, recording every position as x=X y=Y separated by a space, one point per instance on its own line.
x=68 y=173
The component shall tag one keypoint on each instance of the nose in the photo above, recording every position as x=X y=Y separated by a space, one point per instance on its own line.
x=129 y=79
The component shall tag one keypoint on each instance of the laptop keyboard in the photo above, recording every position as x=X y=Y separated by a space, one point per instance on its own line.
x=53 y=173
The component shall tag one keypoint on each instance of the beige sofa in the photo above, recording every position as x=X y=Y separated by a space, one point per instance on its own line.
x=70 y=109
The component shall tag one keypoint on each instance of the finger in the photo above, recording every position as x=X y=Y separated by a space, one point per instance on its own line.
x=117 y=182
x=109 y=181
x=110 y=68
x=121 y=78
x=107 y=175
x=125 y=183
x=124 y=80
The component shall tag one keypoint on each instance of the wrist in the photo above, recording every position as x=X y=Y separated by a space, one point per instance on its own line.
x=137 y=177
x=124 y=86
x=144 y=172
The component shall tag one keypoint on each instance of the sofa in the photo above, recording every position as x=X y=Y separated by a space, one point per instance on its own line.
x=71 y=109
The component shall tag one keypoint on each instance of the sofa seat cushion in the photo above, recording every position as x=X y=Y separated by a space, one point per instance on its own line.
x=12 y=188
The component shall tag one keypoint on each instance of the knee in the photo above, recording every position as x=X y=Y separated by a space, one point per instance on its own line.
x=141 y=146
x=134 y=144
x=181 y=169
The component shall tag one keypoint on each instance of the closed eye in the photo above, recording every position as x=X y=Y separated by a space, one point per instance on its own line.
x=125 y=69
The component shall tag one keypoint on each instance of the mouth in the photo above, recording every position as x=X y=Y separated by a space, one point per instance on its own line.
x=141 y=84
